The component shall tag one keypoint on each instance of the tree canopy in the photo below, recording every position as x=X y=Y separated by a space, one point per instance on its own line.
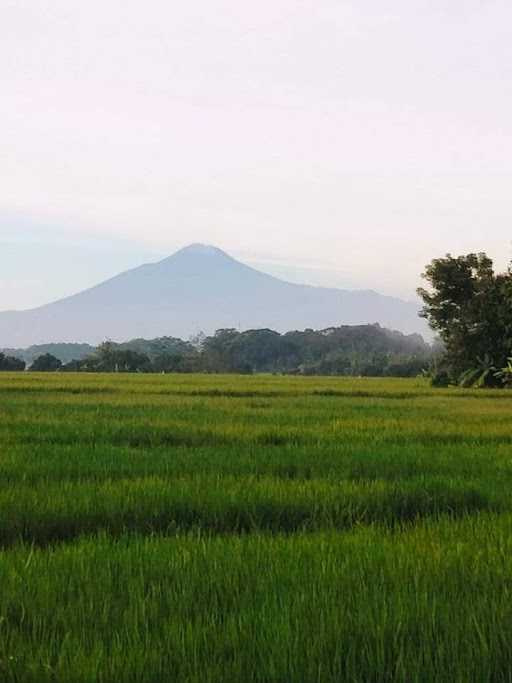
x=46 y=363
x=470 y=307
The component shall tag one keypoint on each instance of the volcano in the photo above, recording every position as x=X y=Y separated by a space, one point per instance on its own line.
x=199 y=288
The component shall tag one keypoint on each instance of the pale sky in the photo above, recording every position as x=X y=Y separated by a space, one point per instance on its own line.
x=344 y=143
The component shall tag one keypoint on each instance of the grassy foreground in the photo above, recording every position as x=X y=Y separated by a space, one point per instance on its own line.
x=221 y=528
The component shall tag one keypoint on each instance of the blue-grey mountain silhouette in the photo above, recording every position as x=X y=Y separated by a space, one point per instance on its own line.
x=199 y=288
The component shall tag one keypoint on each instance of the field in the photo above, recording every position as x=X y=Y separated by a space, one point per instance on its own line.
x=272 y=529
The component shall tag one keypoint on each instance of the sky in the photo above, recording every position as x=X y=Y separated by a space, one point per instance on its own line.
x=339 y=143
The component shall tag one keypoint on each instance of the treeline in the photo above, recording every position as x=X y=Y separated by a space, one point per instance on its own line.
x=363 y=350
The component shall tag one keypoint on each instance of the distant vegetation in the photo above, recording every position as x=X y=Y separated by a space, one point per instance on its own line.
x=366 y=350
x=10 y=364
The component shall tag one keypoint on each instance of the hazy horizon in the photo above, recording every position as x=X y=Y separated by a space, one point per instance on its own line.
x=337 y=144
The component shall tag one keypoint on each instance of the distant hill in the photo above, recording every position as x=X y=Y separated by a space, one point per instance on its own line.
x=199 y=288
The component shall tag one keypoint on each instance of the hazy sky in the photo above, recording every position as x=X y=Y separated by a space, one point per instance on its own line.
x=338 y=142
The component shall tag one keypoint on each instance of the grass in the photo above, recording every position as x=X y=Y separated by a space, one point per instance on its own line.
x=223 y=528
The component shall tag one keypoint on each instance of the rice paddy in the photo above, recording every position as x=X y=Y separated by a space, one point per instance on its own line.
x=223 y=528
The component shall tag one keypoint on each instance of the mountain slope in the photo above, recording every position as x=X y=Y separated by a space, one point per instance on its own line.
x=198 y=288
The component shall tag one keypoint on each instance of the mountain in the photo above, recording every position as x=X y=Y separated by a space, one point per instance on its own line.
x=199 y=288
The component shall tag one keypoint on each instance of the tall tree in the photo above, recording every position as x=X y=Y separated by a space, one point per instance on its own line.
x=470 y=306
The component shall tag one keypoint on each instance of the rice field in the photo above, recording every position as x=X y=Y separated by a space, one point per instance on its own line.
x=270 y=529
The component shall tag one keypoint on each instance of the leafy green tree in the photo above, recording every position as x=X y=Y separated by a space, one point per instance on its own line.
x=470 y=306
x=46 y=363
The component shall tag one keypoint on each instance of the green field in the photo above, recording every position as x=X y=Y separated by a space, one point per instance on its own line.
x=273 y=529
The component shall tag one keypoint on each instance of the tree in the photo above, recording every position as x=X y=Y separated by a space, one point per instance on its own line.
x=110 y=357
x=217 y=350
x=46 y=363
x=11 y=364
x=471 y=309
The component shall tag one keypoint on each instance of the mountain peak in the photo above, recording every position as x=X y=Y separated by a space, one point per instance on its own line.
x=198 y=249
x=197 y=256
